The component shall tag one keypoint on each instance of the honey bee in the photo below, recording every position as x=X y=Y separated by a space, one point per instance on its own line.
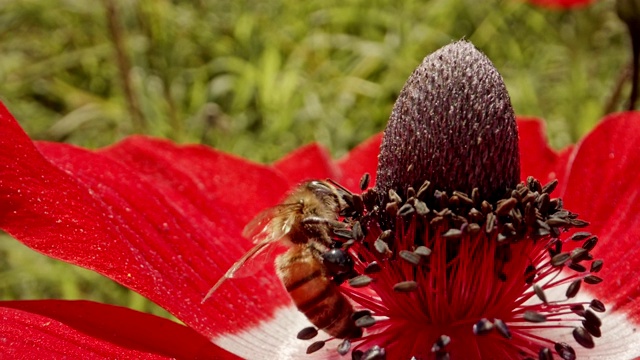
x=304 y=222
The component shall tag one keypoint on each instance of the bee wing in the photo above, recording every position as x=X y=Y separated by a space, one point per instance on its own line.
x=266 y=228
x=271 y=224
x=253 y=253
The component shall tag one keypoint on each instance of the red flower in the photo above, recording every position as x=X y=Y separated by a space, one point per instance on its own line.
x=561 y=4
x=166 y=221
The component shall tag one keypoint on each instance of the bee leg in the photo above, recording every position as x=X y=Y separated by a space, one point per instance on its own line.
x=317 y=220
x=317 y=249
x=323 y=227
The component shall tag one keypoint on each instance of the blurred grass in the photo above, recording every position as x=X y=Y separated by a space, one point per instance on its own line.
x=261 y=78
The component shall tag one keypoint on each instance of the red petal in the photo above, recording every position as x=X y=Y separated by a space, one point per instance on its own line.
x=603 y=186
x=362 y=159
x=537 y=159
x=307 y=163
x=162 y=220
x=88 y=330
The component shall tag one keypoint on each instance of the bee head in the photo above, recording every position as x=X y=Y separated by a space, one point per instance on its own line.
x=321 y=189
x=327 y=193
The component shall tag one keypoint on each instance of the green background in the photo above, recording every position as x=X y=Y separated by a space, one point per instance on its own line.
x=260 y=78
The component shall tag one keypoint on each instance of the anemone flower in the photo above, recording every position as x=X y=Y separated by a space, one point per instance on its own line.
x=561 y=4
x=468 y=244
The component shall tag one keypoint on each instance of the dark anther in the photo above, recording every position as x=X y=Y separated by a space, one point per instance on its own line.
x=485 y=207
x=533 y=184
x=590 y=243
x=540 y=293
x=391 y=209
x=441 y=343
x=579 y=254
x=578 y=309
x=424 y=191
x=505 y=206
x=442 y=199
x=577 y=267
x=347 y=244
x=565 y=351
x=422 y=251
x=592 y=279
x=482 y=327
x=491 y=222
x=386 y=235
x=360 y=281
x=364 y=181
x=406 y=210
x=307 y=333
x=473 y=228
x=421 y=208
x=545 y=354
x=557 y=222
x=375 y=353
x=580 y=235
x=534 y=316
x=344 y=347
x=573 y=288
x=583 y=337
x=463 y=198
x=592 y=329
x=592 y=318
x=597 y=305
x=475 y=196
x=357 y=232
x=452 y=234
x=502 y=328
x=405 y=286
x=560 y=259
x=579 y=223
x=551 y=185
x=555 y=204
x=529 y=274
x=365 y=321
x=410 y=257
x=315 y=347
x=596 y=266
x=381 y=247
x=544 y=203
x=358 y=204
x=343 y=233
x=372 y=268
x=360 y=313
x=394 y=197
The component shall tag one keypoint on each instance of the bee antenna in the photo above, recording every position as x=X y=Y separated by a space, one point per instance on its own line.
x=340 y=187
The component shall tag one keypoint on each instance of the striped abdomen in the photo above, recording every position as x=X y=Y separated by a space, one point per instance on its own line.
x=314 y=294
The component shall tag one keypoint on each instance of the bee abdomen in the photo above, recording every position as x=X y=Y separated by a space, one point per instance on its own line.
x=315 y=295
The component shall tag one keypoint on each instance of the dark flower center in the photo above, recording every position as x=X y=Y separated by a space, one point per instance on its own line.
x=451 y=275
x=451 y=256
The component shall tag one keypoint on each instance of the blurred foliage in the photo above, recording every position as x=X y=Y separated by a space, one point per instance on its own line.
x=260 y=78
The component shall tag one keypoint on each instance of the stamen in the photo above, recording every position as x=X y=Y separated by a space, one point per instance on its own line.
x=364 y=181
x=513 y=254
x=315 y=347
x=307 y=333
x=482 y=327
x=344 y=346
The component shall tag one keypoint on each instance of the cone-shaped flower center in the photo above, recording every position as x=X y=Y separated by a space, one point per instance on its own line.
x=452 y=256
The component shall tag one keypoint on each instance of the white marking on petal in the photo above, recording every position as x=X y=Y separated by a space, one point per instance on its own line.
x=620 y=335
x=275 y=338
